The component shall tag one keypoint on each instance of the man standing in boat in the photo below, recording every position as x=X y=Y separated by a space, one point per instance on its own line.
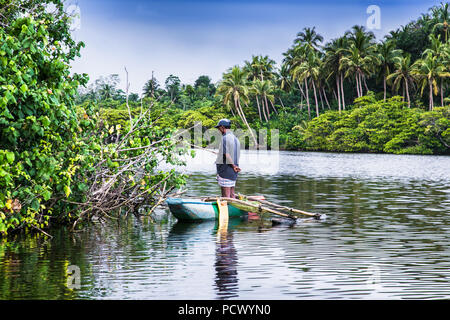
x=227 y=162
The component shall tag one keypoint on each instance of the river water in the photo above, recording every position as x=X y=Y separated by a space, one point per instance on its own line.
x=385 y=236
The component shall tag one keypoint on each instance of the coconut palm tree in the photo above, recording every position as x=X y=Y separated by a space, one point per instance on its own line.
x=255 y=90
x=309 y=71
x=260 y=67
x=294 y=57
x=363 y=40
x=106 y=91
x=428 y=71
x=441 y=19
x=359 y=66
x=403 y=73
x=386 y=54
x=360 y=59
x=233 y=88
x=438 y=50
x=334 y=51
x=150 y=87
x=265 y=90
x=310 y=37
x=284 y=78
x=436 y=46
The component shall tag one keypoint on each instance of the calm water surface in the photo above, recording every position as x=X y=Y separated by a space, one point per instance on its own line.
x=385 y=236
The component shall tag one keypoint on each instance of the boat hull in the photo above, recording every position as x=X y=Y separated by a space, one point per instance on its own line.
x=198 y=210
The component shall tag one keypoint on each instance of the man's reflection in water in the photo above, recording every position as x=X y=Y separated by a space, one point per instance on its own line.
x=226 y=265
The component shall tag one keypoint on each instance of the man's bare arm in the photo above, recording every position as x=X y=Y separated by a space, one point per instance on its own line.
x=229 y=161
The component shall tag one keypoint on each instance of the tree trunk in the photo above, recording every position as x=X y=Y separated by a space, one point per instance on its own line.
x=326 y=99
x=281 y=101
x=267 y=106
x=315 y=97
x=307 y=99
x=365 y=83
x=357 y=85
x=153 y=86
x=273 y=107
x=259 y=109
x=384 y=85
x=321 y=99
x=245 y=121
x=301 y=89
x=339 y=94
x=361 y=84
x=403 y=92
x=431 y=95
x=407 y=94
x=442 y=93
x=236 y=105
x=232 y=111
x=342 y=89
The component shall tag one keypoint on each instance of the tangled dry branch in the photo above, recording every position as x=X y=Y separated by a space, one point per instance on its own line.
x=128 y=186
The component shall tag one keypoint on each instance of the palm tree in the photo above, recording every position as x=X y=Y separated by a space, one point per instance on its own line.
x=265 y=90
x=233 y=88
x=446 y=63
x=403 y=72
x=363 y=40
x=310 y=37
x=358 y=65
x=438 y=50
x=441 y=19
x=360 y=59
x=386 y=54
x=309 y=70
x=294 y=57
x=334 y=51
x=256 y=90
x=428 y=70
x=260 y=67
x=150 y=87
x=436 y=46
x=284 y=78
x=106 y=91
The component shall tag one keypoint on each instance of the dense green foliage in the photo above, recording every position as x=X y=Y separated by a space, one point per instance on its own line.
x=39 y=130
x=54 y=156
x=378 y=126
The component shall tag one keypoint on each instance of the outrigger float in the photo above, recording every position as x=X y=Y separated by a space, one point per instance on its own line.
x=208 y=208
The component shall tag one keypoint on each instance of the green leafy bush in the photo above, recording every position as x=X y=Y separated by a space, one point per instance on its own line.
x=39 y=129
x=56 y=163
x=378 y=126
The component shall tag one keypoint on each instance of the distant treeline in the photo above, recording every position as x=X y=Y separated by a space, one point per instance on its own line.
x=412 y=62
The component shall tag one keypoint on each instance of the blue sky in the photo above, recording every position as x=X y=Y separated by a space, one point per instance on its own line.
x=192 y=38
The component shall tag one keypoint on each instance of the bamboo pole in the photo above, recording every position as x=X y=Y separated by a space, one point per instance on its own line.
x=251 y=207
x=291 y=210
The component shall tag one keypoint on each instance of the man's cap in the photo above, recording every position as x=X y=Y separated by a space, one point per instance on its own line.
x=224 y=122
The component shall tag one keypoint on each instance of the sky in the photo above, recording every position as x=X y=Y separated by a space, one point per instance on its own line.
x=207 y=37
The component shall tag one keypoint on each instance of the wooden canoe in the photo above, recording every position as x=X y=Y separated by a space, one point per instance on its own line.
x=197 y=209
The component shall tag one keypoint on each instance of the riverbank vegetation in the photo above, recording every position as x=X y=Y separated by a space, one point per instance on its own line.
x=321 y=82
x=60 y=164
x=72 y=152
